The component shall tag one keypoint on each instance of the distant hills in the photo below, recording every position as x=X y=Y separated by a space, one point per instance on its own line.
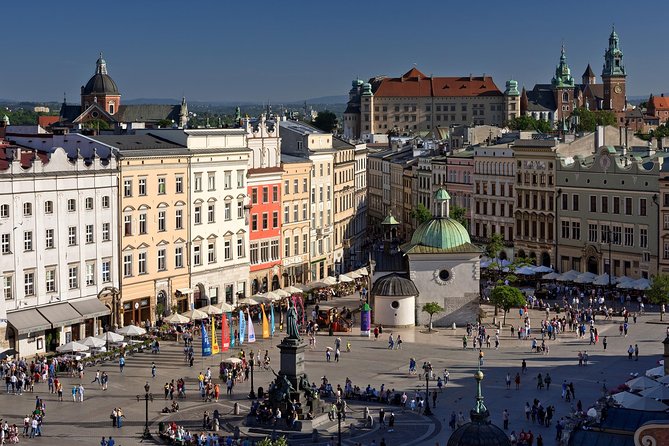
x=323 y=100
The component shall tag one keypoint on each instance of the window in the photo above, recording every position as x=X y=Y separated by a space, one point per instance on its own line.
x=7 y=288
x=179 y=184
x=628 y=206
x=162 y=264
x=211 y=252
x=178 y=219
x=127 y=225
x=593 y=203
x=592 y=233
x=142 y=186
x=161 y=221
x=665 y=251
x=89 y=203
x=240 y=178
x=106 y=271
x=605 y=205
x=105 y=232
x=227 y=250
x=141 y=263
x=178 y=257
x=265 y=194
x=275 y=193
x=565 y=229
x=304 y=185
x=240 y=209
x=162 y=186
x=28 y=241
x=305 y=243
x=296 y=245
x=604 y=233
x=211 y=213
x=565 y=202
x=254 y=253
x=275 y=250
x=27 y=209
x=197 y=215
x=286 y=187
x=71 y=205
x=265 y=220
x=286 y=247
x=295 y=187
x=286 y=214
x=127 y=265
x=616 y=205
x=48 y=208
x=264 y=252
x=629 y=236
x=240 y=248
x=254 y=195
x=105 y=202
x=617 y=235
x=643 y=238
x=29 y=283
x=275 y=219
x=73 y=277
x=198 y=182
x=227 y=208
x=127 y=188
x=296 y=213
x=254 y=222
x=48 y=238
x=89 y=234
x=227 y=179
x=50 y=280
x=197 y=259
x=211 y=181
x=642 y=207
x=90 y=273
x=574 y=199
x=142 y=223
x=575 y=230
x=72 y=235
x=304 y=211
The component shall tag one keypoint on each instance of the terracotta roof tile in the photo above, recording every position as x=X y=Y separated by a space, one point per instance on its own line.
x=660 y=102
x=414 y=83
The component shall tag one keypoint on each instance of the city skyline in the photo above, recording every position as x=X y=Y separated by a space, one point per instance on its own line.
x=278 y=53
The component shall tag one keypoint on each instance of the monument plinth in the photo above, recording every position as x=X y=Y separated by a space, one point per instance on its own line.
x=292 y=360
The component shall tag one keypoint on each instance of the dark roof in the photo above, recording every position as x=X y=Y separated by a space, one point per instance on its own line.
x=588 y=72
x=141 y=145
x=596 y=438
x=478 y=433
x=341 y=144
x=394 y=284
x=621 y=419
x=148 y=112
x=69 y=112
x=535 y=143
x=101 y=84
x=541 y=98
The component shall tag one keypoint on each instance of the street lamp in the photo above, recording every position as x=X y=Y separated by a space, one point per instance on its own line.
x=147 y=397
x=427 y=412
x=340 y=406
x=252 y=394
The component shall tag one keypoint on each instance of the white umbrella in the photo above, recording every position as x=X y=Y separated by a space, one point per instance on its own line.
x=110 y=336
x=362 y=271
x=273 y=296
x=293 y=290
x=354 y=275
x=345 y=278
x=642 y=284
x=525 y=271
x=250 y=301
x=569 y=276
x=281 y=293
x=647 y=404
x=72 y=347
x=625 y=398
x=622 y=279
x=585 y=278
x=93 y=342
x=658 y=393
x=226 y=307
x=602 y=280
x=641 y=383
x=195 y=315
x=543 y=269
x=131 y=330
x=233 y=361
x=663 y=380
x=176 y=319
x=329 y=280
x=210 y=309
x=550 y=276
x=655 y=372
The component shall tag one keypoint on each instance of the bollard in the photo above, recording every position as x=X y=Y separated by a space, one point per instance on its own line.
x=236 y=409
x=453 y=326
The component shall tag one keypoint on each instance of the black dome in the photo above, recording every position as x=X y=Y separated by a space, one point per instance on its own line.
x=101 y=84
x=394 y=285
x=478 y=433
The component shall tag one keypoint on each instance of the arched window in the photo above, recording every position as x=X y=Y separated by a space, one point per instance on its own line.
x=565 y=97
x=111 y=108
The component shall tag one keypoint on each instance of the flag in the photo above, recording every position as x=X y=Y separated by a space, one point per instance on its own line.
x=215 y=349
x=252 y=333
x=232 y=331
x=271 y=320
x=242 y=327
x=206 y=344
x=299 y=300
x=265 y=324
x=225 y=333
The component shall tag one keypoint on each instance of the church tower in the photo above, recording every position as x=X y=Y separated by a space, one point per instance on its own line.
x=512 y=100
x=613 y=76
x=563 y=88
x=101 y=89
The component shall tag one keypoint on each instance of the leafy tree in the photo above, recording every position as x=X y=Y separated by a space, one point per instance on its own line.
x=421 y=213
x=165 y=123
x=658 y=293
x=326 y=121
x=459 y=214
x=267 y=441
x=432 y=308
x=588 y=120
x=529 y=123
x=96 y=124
x=506 y=297
x=494 y=246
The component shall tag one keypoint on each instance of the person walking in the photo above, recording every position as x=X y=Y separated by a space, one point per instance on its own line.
x=119 y=417
x=523 y=367
x=508 y=381
x=121 y=363
x=517 y=380
x=604 y=342
x=547 y=381
x=636 y=352
x=505 y=419
x=630 y=352
x=153 y=369
x=81 y=393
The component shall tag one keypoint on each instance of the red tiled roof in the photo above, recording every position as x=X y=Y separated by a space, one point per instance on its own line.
x=659 y=102
x=416 y=84
x=46 y=121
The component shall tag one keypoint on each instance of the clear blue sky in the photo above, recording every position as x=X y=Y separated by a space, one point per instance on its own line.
x=221 y=50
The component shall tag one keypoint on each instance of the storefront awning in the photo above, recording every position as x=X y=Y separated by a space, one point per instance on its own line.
x=185 y=291
x=90 y=307
x=61 y=314
x=26 y=321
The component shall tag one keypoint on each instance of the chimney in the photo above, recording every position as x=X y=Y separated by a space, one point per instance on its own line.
x=600 y=131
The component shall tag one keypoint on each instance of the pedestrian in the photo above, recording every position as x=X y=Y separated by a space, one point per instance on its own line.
x=547 y=381
x=630 y=352
x=336 y=357
x=121 y=363
x=523 y=367
x=391 y=422
x=636 y=352
x=517 y=381
x=103 y=442
x=382 y=417
x=153 y=369
x=114 y=417
x=81 y=393
x=328 y=354
x=111 y=441
x=119 y=417
x=508 y=381
x=398 y=343
x=604 y=343
x=505 y=418
x=528 y=411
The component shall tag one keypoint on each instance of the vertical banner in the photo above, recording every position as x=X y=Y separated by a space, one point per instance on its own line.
x=206 y=344
x=271 y=320
x=225 y=333
x=265 y=323
x=296 y=300
x=365 y=320
x=242 y=327
x=252 y=333
x=231 y=332
x=215 y=349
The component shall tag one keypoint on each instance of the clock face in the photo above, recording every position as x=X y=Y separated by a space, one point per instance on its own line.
x=618 y=89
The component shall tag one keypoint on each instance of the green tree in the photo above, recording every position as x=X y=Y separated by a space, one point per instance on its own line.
x=421 y=213
x=96 y=124
x=529 y=123
x=459 y=214
x=588 y=120
x=658 y=293
x=431 y=308
x=494 y=246
x=325 y=120
x=267 y=441
x=507 y=297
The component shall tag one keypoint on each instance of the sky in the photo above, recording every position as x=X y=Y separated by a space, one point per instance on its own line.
x=280 y=51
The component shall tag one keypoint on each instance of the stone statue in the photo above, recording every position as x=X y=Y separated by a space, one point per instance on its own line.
x=281 y=390
x=291 y=322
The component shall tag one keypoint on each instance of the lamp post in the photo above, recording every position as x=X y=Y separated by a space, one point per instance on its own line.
x=427 y=412
x=339 y=406
x=252 y=394
x=147 y=397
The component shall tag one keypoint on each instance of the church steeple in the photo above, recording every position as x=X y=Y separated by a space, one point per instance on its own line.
x=562 y=76
x=101 y=65
x=613 y=57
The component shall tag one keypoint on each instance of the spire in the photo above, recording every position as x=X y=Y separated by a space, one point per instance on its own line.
x=562 y=76
x=100 y=65
x=613 y=57
x=479 y=413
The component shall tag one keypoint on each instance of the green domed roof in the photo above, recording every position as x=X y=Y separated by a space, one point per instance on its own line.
x=441 y=233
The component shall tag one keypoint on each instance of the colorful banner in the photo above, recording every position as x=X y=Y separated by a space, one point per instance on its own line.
x=231 y=332
x=252 y=333
x=271 y=320
x=215 y=349
x=265 y=323
x=296 y=300
x=365 y=320
x=206 y=344
x=225 y=333
x=242 y=327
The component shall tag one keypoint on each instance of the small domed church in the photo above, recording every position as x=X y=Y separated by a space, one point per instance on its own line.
x=101 y=102
x=440 y=264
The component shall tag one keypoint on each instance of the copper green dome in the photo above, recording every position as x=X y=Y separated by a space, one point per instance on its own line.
x=441 y=233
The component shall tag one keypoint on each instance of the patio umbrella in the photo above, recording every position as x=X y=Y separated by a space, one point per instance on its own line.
x=176 y=319
x=362 y=271
x=569 y=276
x=642 y=284
x=658 y=393
x=585 y=278
x=93 y=342
x=550 y=276
x=273 y=296
x=281 y=293
x=131 y=330
x=293 y=290
x=72 y=347
x=195 y=315
x=329 y=280
x=602 y=280
x=525 y=271
x=541 y=269
x=647 y=404
x=655 y=372
x=312 y=286
x=663 y=380
x=110 y=336
x=250 y=301
x=210 y=309
x=345 y=278
x=226 y=307
x=641 y=383
x=625 y=398
x=354 y=275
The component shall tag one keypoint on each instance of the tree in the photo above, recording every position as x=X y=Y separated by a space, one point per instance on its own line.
x=506 y=297
x=658 y=293
x=421 y=213
x=432 y=308
x=267 y=441
x=494 y=246
x=529 y=123
x=326 y=121
x=459 y=214
x=588 y=120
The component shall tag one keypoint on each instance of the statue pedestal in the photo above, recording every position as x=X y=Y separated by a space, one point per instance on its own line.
x=292 y=360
